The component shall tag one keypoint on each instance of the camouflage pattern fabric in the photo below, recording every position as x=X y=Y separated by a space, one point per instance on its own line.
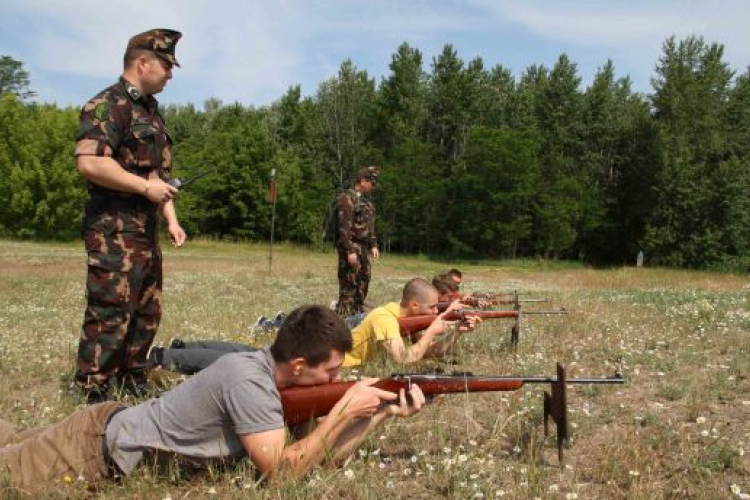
x=356 y=214
x=160 y=41
x=354 y=282
x=122 y=123
x=124 y=279
x=356 y=221
x=123 y=290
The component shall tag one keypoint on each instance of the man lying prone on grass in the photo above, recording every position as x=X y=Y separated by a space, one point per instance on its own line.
x=377 y=334
x=191 y=356
x=228 y=411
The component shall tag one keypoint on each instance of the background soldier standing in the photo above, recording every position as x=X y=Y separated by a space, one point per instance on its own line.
x=124 y=152
x=356 y=238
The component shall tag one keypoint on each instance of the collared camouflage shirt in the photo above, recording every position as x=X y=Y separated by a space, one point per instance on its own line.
x=126 y=125
x=356 y=221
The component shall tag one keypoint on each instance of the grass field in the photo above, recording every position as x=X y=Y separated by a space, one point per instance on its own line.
x=678 y=428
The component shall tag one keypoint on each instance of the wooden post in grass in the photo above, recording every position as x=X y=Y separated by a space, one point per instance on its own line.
x=273 y=191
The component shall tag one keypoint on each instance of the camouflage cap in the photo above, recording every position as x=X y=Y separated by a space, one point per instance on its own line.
x=368 y=174
x=159 y=41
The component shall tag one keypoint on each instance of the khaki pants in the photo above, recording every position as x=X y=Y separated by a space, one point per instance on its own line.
x=30 y=460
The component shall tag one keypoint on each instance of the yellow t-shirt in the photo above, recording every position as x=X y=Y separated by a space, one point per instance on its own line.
x=381 y=324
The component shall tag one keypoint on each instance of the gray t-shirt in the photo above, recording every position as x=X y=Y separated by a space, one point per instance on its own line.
x=202 y=418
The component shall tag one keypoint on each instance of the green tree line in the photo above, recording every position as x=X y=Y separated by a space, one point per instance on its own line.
x=475 y=162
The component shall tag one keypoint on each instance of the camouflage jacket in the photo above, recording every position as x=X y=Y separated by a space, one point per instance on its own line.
x=122 y=123
x=356 y=221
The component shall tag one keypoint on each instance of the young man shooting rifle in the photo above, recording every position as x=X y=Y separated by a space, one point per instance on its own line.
x=380 y=331
x=228 y=411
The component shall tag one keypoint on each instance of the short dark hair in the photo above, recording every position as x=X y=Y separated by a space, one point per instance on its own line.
x=444 y=284
x=311 y=332
x=416 y=289
x=455 y=272
x=133 y=54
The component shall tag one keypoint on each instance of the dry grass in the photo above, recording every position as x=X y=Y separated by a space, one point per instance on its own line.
x=679 y=428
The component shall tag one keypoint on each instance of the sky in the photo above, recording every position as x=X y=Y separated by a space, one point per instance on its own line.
x=252 y=51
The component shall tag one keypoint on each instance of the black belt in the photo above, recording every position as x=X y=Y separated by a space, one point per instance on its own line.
x=98 y=203
x=134 y=205
x=113 y=470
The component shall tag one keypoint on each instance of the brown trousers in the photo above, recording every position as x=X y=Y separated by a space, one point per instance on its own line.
x=31 y=460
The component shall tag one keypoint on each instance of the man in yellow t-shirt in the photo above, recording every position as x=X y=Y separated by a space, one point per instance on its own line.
x=380 y=329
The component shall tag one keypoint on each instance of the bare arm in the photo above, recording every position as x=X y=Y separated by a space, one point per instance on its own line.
x=445 y=344
x=357 y=431
x=267 y=450
x=106 y=172
x=422 y=342
x=176 y=233
x=438 y=348
x=400 y=353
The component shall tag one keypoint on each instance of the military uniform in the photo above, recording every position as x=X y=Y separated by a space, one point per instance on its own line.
x=124 y=281
x=356 y=223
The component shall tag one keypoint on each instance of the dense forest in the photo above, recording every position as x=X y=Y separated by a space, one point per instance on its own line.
x=475 y=162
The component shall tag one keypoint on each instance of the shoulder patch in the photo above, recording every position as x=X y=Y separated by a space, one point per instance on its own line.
x=102 y=111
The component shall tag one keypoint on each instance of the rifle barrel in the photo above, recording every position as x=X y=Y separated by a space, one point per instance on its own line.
x=552 y=311
x=469 y=378
x=549 y=380
x=303 y=403
x=411 y=324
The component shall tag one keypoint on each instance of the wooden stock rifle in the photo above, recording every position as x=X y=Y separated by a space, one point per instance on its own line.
x=497 y=295
x=442 y=306
x=301 y=404
x=412 y=324
x=472 y=301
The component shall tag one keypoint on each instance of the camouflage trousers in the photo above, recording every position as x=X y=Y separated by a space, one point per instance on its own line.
x=123 y=291
x=354 y=282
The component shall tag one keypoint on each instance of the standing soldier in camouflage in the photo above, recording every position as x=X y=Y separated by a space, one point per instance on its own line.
x=123 y=150
x=356 y=238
